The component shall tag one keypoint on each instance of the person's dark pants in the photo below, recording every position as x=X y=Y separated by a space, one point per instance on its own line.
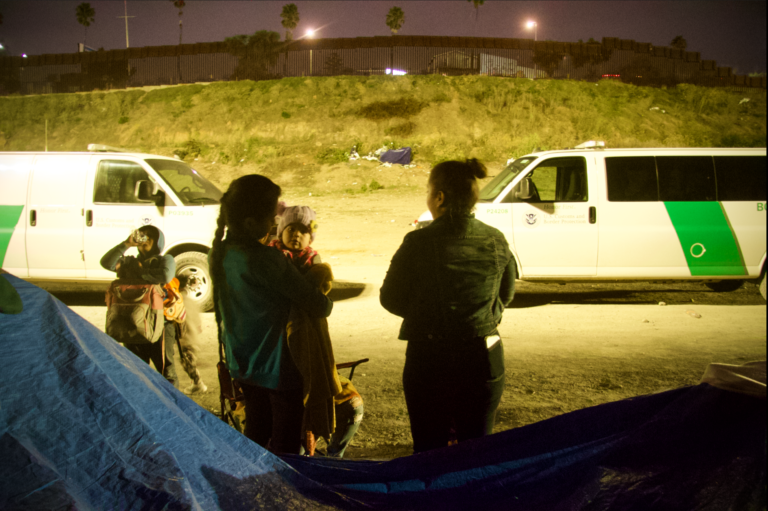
x=452 y=388
x=276 y=415
x=160 y=353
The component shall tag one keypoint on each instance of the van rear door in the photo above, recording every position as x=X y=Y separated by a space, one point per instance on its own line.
x=55 y=217
x=14 y=176
x=113 y=210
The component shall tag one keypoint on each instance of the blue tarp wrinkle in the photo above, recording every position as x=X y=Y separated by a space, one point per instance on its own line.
x=84 y=424
x=401 y=156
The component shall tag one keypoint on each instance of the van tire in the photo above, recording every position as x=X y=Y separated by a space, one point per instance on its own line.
x=194 y=266
x=725 y=286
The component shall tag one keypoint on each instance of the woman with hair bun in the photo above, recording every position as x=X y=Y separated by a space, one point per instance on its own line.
x=254 y=288
x=450 y=282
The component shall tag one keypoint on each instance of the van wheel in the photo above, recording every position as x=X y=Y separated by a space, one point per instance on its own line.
x=724 y=285
x=762 y=286
x=194 y=266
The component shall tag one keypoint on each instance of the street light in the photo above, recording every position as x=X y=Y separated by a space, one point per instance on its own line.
x=310 y=33
x=534 y=26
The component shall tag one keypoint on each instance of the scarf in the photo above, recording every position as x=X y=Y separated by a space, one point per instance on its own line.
x=302 y=260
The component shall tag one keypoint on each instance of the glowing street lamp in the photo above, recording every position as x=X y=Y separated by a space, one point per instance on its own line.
x=534 y=26
x=310 y=33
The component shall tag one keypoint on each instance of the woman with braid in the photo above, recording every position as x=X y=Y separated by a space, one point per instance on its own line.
x=254 y=288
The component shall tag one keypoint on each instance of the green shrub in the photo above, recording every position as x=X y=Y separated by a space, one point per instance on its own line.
x=375 y=186
x=190 y=148
x=331 y=155
x=401 y=130
x=122 y=120
x=286 y=115
x=401 y=107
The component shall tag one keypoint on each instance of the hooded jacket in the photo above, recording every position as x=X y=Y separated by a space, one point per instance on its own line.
x=158 y=269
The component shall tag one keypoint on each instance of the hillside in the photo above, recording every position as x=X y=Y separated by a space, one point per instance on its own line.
x=298 y=131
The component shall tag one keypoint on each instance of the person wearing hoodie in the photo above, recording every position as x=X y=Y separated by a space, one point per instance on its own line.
x=154 y=268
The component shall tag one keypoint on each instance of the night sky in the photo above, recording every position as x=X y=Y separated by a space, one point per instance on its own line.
x=729 y=32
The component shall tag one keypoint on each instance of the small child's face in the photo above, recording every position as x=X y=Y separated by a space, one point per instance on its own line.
x=296 y=237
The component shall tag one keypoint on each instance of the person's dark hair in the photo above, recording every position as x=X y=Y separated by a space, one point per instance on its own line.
x=252 y=196
x=152 y=233
x=458 y=181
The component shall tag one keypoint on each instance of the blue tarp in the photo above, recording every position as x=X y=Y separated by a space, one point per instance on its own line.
x=401 y=156
x=84 y=424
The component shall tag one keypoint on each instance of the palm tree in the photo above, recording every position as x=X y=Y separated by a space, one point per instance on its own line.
x=290 y=17
x=179 y=4
x=395 y=19
x=477 y=4
x=85 y=16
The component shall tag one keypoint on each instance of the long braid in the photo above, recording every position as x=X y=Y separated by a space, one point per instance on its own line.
x=217 y=266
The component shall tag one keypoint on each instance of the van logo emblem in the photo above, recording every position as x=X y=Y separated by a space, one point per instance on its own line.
x=146 y=221
x=531 y=218
x=699 y=248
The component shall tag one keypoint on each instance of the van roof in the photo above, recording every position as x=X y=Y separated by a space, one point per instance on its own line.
x=653 y=151
x=84 y=153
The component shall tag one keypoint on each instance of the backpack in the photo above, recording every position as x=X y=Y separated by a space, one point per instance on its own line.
x=173 y=304
x=134 y=311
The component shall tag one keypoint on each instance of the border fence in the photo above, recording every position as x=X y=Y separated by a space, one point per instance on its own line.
x=613 y=58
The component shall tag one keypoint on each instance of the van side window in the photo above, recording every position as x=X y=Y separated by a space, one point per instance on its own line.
x=116 y=182
x=740 y=178
x=686 y=178
x=557 y=180
x=631 y=179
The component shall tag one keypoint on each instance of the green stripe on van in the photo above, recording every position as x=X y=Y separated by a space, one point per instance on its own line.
x=709 y=244
x=9 y=217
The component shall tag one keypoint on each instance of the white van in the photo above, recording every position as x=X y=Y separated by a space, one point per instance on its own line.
x=61 y=212
x=592 y=214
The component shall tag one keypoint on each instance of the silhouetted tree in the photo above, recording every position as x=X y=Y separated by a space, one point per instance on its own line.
x=85 y=16
x=290 y=17
x=256 y=54
x=334 y=65
x=547 y=61
x=595 y=54
x=679 y=42
x=395 y=19
x=179 y=4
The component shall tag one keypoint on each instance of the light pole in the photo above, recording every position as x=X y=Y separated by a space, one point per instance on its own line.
x=534 y=26
x=126 y=22
x=310 y=34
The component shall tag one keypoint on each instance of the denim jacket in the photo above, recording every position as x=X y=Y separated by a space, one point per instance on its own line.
x=450 y=280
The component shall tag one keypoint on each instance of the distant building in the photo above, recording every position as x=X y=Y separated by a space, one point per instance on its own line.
x=459 y=62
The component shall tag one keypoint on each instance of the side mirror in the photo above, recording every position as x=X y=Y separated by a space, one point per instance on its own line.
x=523 y=189
x=147 y=191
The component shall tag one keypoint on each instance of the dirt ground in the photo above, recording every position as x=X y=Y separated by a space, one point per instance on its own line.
x=566 y=347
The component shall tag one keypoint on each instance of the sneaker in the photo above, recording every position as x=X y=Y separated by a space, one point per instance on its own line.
x=196 y=387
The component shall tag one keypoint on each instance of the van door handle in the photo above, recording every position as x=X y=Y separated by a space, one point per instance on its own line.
x=89 y=217
x=592 y=215
x=32 y=217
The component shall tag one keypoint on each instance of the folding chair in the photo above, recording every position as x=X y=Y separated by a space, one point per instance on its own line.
x=230 y=394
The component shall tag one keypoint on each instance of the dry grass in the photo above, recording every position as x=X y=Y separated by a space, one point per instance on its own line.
x=297 y=127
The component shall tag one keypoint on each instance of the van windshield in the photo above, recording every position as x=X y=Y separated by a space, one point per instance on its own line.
x=191 y=187
x=495 y=187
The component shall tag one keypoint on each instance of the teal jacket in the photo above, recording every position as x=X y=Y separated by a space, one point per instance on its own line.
x=260 y=286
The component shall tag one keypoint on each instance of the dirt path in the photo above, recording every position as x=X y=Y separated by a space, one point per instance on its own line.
x=566 y=347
